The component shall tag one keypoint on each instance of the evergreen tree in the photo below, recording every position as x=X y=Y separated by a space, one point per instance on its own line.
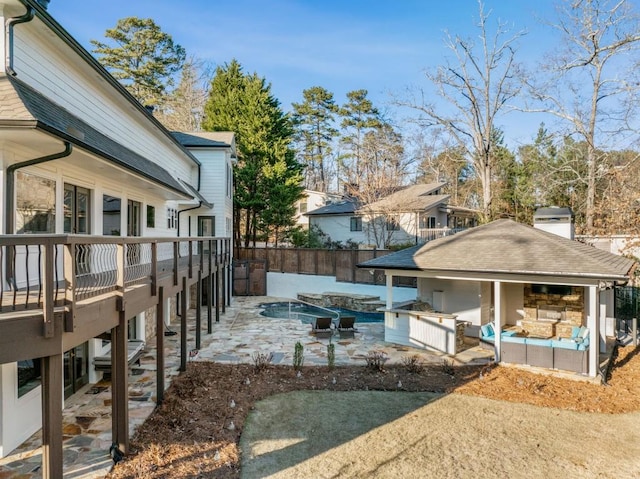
x=315 y=133
x=358 y=116
x=267 y=177
x=144 y=58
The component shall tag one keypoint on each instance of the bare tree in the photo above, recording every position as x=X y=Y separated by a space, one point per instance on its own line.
x=478 y=86
x=185 y=105
x=591 y=82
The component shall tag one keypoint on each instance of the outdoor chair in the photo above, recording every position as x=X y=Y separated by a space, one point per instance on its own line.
x=346 y=327
x=135 y=350
x=322 y=327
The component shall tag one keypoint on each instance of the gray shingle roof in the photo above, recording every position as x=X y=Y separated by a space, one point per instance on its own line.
x=203 y=139
x=21 y=103
x=344 y=207
x=505 y=246
x=411 y=198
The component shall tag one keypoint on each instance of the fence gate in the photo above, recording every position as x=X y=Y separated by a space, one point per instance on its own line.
x=250 y=277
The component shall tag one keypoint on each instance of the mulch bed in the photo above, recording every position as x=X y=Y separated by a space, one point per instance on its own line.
x=196 y=431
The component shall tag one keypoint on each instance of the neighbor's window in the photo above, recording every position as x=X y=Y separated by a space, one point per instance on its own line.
x=356 y=223
x=111 y=215
x=427 y=221
x=151 y=216
x=303 y=207
x=35 y=204
x=393 y=224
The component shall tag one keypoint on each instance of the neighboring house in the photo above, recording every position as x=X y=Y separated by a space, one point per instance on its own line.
x=79 y=155
x=216 y=152
x=414 y=214
x=518 y=278
x=311 y=201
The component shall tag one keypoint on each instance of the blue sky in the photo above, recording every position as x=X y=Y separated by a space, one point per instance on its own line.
x=381 y=46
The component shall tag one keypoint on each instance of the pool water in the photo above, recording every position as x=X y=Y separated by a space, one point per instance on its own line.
x=307 y=313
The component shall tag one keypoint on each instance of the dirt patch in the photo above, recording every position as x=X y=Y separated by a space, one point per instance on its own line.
x=196 y=431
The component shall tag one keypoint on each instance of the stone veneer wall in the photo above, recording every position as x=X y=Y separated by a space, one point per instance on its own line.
x=150 y=323
x=572 y=305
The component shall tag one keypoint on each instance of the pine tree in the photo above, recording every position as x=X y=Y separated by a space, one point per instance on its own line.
x=144 y=58
x=315 y=133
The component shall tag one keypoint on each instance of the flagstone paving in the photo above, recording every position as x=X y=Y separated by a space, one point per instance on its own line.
x=241 y=333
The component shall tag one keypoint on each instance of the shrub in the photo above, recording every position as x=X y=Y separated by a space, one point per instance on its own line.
x=331 y=355
x=447 y=367
x=376 y=359
x=413 y=363
x=261 y=361
x=298 y=356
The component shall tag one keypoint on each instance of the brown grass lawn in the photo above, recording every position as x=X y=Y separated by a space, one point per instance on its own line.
x=478 y=422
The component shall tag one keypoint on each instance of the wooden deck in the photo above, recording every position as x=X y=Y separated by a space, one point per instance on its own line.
x=60 y=291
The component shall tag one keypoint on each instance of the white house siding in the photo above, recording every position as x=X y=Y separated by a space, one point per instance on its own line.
x=20 y=416
x=51 y=67
x=461 y=298
x=338 y=228
x=216 y=166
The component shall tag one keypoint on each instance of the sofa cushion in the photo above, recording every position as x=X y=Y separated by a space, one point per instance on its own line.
x=564 y=344
x=487 y=330
x=538 y=341
x=510 y=332
x=513 y=339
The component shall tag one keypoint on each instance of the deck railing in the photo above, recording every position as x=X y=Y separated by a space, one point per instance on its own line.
x=430 y=234
x=72 y=268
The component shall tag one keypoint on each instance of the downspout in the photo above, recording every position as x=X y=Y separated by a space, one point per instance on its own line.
x=11 y=169
x=10 y=23
x=188 y=209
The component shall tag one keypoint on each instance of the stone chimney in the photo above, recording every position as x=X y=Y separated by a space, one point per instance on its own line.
x=556 y=220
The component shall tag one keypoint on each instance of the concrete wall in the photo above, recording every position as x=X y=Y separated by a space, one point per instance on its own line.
x=288 y=285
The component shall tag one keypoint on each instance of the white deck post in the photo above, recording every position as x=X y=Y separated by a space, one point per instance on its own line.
x=389 y=291
x=497 y=317
x=593 y=321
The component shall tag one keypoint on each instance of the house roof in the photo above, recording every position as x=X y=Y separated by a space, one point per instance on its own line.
x=411 y=198
x=345 y=207
x=21 y=105
x=204 y=139
x=507 y=247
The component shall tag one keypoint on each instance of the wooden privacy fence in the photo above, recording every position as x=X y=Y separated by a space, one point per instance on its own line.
x=340 y=263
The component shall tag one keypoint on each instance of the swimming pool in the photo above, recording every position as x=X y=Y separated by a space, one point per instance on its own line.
x=307 y=313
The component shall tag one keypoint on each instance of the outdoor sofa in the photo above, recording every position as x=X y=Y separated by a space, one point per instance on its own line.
x=568 y=354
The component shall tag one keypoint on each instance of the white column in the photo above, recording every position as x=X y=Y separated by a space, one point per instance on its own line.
x=593 y=323
x=497 y=317
x=389 y=291
x=3 y=48
x=602 y=315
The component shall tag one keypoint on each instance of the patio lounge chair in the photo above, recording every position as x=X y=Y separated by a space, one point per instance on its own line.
x=322 y=327
x=135 y=350
x=346 y=327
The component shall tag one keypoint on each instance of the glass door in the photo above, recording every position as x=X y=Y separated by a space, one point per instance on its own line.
x=76 y=369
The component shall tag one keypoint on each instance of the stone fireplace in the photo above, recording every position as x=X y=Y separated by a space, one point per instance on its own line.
x=553 y=309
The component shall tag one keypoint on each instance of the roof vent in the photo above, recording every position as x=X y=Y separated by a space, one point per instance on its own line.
x=43 y=3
